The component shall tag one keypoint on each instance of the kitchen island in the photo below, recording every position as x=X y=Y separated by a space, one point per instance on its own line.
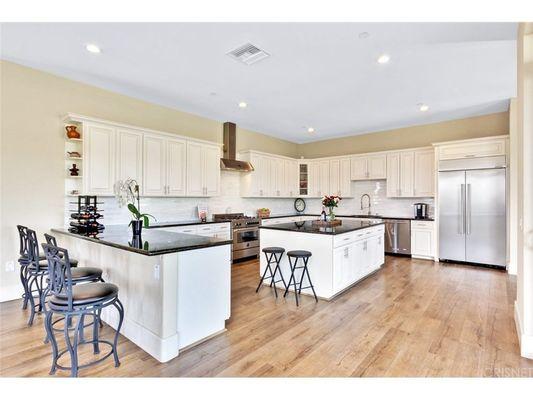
x=342 y=255
x=175 y=287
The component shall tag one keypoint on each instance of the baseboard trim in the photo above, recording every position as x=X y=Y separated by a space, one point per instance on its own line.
x=12 y=292
x=525 y=341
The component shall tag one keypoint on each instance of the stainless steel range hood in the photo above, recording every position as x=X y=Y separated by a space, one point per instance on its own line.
x=228 y=162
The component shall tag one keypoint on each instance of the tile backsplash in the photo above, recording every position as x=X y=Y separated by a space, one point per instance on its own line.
x=229 y=201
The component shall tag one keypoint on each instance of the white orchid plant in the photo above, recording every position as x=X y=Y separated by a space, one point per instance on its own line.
x=127 y=193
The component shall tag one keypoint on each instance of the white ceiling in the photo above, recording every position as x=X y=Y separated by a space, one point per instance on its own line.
x=319 y=74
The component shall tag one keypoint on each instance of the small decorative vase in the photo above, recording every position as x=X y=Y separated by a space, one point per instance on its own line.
x=136 y=227
x=72 y=133
x=74 y=171
x=331 y=214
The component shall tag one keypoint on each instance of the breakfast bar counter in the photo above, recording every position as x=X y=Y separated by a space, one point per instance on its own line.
x=175 y=287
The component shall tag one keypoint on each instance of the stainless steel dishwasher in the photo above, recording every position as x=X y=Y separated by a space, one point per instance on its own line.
x=398 y=236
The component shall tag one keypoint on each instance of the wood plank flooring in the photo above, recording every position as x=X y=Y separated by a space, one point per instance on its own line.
x=412 y=318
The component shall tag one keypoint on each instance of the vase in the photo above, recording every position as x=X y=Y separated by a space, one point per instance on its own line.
x=136 y=227
x=72 y=133
x=331 y=214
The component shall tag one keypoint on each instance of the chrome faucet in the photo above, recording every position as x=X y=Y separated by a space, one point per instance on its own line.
x=369 y=203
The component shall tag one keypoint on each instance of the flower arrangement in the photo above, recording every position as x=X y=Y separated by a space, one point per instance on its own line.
x=331 y=202
x=127 y=193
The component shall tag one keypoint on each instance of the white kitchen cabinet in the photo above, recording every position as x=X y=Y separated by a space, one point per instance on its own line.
x=344 y=263
x=365 y=167
x=470 y=148
x=424 y=171
x=129 y=156
x=410 y=173
x=291 y=178
x=154 y=166
x=359 y=168
x=423 y=239
x=203 y=169
x=323 y=185
x=407 y=174
x=313 y=177
x=340 y=177
x=393 y=175
x=100 y=159
x=334 y=177
x=176 y=176
x=272 y=176
x=164 y=166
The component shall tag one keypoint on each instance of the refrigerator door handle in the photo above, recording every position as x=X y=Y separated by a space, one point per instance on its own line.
x=468 y=210
x=461 y=211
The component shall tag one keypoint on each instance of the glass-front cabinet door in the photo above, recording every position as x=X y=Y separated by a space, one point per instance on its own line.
x=304 y=179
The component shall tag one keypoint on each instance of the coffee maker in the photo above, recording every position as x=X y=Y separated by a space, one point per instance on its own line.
x=421 y=210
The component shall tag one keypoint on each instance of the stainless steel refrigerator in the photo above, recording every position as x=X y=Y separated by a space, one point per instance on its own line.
x=472 y=211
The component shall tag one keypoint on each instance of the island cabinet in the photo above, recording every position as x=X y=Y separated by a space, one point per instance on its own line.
x=342 y=256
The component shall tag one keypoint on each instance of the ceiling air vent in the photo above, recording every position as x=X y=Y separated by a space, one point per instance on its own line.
x=248 y=54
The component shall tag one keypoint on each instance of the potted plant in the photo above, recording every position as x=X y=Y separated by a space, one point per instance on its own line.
x=127 y=193
x=330 y=202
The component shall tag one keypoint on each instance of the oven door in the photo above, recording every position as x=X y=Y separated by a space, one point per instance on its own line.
x=245 y=238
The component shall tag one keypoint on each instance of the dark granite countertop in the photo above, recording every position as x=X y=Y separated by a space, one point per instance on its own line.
x=153 y=242
x=351 y=216
x=183 y=223
x=308 y=227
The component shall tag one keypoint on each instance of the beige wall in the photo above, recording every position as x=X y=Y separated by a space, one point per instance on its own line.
x=414 y=136
x=32 y=145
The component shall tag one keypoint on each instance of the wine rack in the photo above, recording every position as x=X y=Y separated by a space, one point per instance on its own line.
x=84 y=220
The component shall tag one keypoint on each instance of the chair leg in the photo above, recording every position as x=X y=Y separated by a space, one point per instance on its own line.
x=31 y=300
x=24 y=281
x=267 y=268
x=74 y=352
x=81 y=333
x=120 y=309
x=290 y=279
x=51 y=338
x=306 y=271
x=294 y=282
x=96 y=348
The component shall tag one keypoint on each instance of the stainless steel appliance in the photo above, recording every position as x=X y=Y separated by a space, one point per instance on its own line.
x=398 y=236
x=421 y=210
x=472 y=211
x=244 y=233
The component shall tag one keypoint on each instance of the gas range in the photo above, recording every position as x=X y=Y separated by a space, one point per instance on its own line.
x=244 y=233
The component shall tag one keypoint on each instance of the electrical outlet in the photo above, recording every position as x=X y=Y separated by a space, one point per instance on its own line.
x=156 y=272
x=10 y=266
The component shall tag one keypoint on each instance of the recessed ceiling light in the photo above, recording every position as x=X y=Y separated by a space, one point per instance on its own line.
x=423 y=107
x=311 y=130
x=92 y=48
x=364 y=35
x=383 y=59
x=243 y=104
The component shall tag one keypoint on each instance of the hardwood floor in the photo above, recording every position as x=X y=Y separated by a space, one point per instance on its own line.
x=412 y=318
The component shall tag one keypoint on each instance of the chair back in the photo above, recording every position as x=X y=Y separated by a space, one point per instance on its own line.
x=59 y=273
x=50 y=239
x=33 y=251
x=23 y=244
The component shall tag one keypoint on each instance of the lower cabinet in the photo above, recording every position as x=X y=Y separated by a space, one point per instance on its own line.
x=353 y=261
x=423 y=239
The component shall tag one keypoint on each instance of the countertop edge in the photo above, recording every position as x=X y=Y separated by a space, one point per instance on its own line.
x=278 y=228
x=140 y=251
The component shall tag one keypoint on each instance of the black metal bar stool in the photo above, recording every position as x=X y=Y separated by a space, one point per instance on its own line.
x=272 y=254
x=24 y=262
x=75 y=301
x=304 y=255
x=79 y=275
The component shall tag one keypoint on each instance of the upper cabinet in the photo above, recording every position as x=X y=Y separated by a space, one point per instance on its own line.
x=471 y=148
x=368 y=166
x=129 y=155
x=100 y=154
x=203 y=169
x=164 y=166
x=340 y=177
x=410 y=173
